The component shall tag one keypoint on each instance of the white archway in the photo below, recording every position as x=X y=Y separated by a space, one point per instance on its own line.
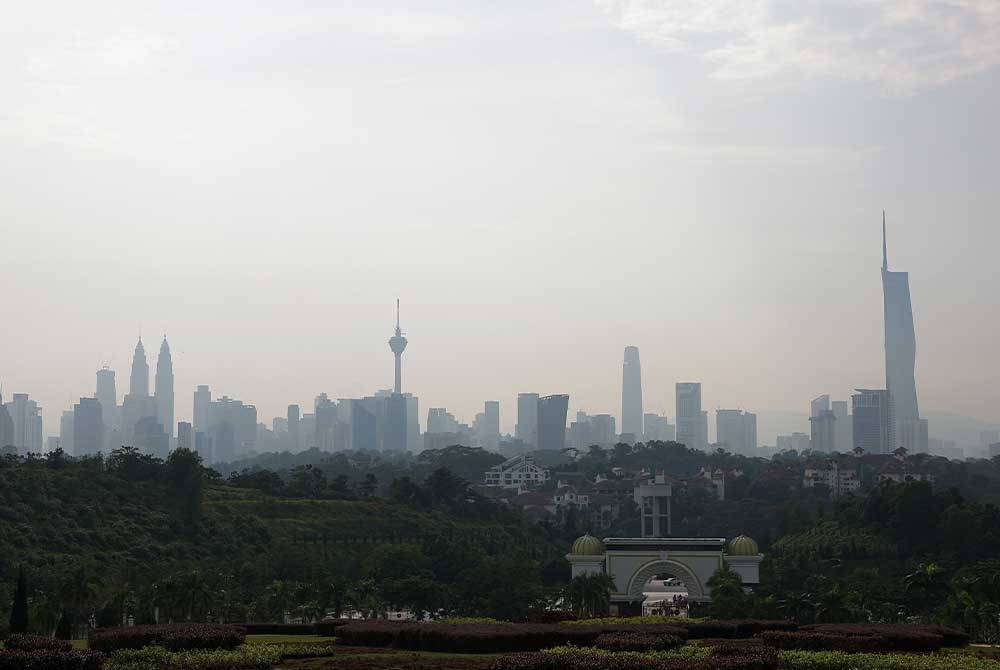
x=647 y=571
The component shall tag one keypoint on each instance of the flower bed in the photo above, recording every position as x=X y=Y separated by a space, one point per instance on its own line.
x=47 y=659
x=248 y=657
x=486 y=638
x=748 y=658
x=23 y=642
x=174 y=637
x=637 y=642
x=865 y=638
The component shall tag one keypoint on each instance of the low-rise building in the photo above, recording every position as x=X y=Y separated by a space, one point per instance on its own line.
x=520 y=472
x=839 y=480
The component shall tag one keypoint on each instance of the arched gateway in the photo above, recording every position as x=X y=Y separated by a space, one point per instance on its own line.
x=633 y=561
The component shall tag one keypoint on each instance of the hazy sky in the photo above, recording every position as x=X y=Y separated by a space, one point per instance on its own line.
x=541 y=183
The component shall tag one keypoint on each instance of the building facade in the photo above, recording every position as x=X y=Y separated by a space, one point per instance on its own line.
x=552 y=410
x=691 y=423
x=632 y=394
x=872 y=421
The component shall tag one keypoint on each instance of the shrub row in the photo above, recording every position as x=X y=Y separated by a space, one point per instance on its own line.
x=48 y=659
x=24 y=642
x=856 y=644
x=749 y=658
x=835 y=660
x=279 y=628
x=248 y=657
x=174 y=637
x=950 y=636
x=637 y=642
x=735 y=629
x=486 y=638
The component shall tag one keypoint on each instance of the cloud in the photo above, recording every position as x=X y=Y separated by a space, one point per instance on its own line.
x=124 y=53
x=903 y=46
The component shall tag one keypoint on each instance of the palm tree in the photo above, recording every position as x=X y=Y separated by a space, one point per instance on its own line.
x=195 y=595
x=590 y=595
x=78 y=592
x=926 y=585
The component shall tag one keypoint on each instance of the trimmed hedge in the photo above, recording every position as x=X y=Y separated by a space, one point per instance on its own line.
x=735 y=629
x=856 y=638
x=279 y=628
x=47 y=659
x=950 y=637
x=637 y=642
x=174 y=637
x=485 y=638
x=24 y=642
x=329 y=628
x=759 y=658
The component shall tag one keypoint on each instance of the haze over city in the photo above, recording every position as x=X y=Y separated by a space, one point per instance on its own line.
x=541 y=185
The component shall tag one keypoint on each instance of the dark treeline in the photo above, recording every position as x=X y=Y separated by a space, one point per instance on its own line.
x=129 y=537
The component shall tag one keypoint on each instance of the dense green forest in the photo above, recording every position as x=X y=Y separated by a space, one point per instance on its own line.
x=128 y=537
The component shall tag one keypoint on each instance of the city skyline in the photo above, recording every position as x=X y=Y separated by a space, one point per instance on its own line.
x=260 y=182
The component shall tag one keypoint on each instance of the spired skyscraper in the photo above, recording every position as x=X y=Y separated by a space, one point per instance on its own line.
x=165 y=388
x=909 y=430
x=632 y=395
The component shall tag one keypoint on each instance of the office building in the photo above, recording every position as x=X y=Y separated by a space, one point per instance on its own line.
x=795 y=442
x=657 y=428
x=822 y=431
x=66 y=429
x=292 y=418
x=592 y=430
x=107 y=394
x=819 y=405
x=872 y=419
x=6 y=425
x=736 y=430
x=526 y=428
x=632 y=393
x=185 y=435
x=88 y=427
x=908 y=429
x=552 y=410
x=202 y=406
x=151 y=439
x=137 y=404
x=691 y=424
x=26 y=417
x=843 y=435
x=490 y=436
x=165 y=388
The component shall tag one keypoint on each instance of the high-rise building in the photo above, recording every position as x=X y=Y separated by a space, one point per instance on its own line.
x=26 y=417
x=165 y=388
x=137 y=404
x=552 y=411
x=202 y=406
x=66 y=429
x=632 y=394
x=822 y=431
x=490 y=437
x=657 y=428
x=872 y=418
x=736 y=430
x=6 y=425
x=185 y=435
x=592 y=430
x=795 y=442
x=690 y=431
x=819 y=405
x=843 y=436
x=150 y=438
x=326 y=412
x=909 y=430
x=88 y=427
x=526 y=428
x=107 y=395
x=293 y=427
x=139 y=379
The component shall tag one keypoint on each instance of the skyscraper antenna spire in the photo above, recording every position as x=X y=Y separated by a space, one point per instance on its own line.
x=397 y=314
x=885 y=251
